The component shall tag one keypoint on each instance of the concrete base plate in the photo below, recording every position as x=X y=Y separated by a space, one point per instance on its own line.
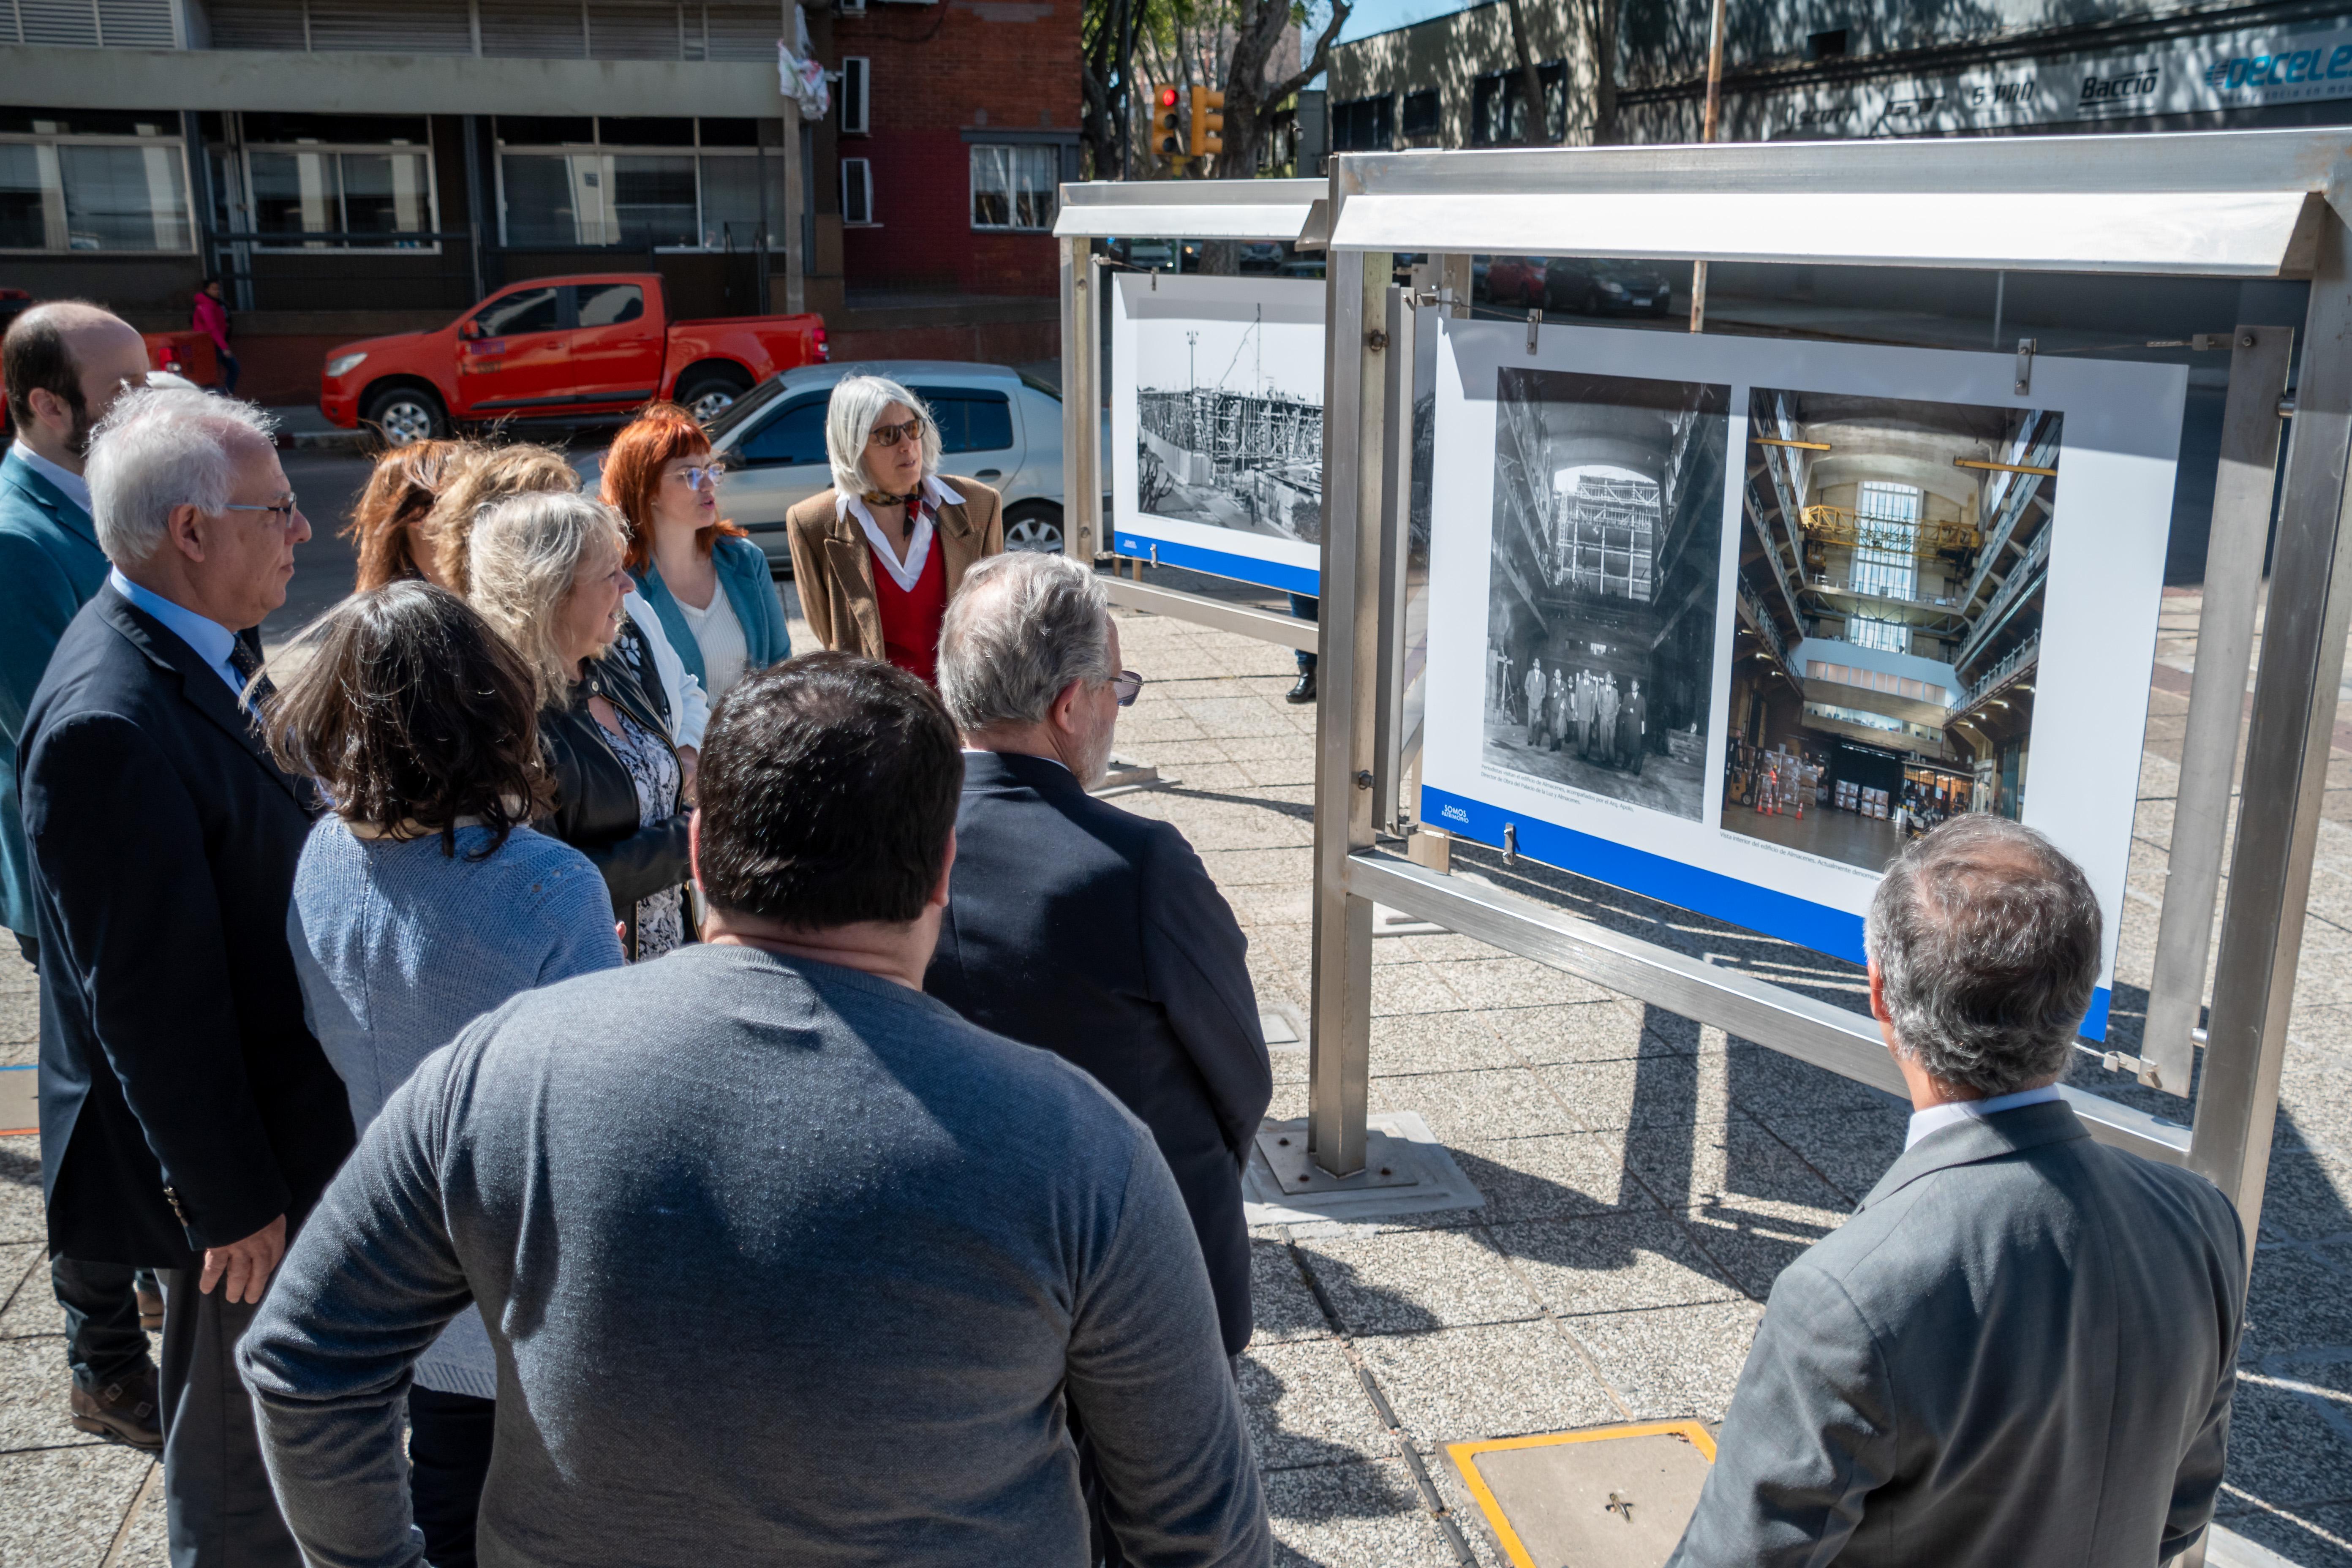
x=1127 y=773
x=1609 y=1496
x=1409 y=1172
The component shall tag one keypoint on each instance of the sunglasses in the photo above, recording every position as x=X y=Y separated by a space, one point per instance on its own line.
x=891 y=435
x=706 y=474
x=1127 y=686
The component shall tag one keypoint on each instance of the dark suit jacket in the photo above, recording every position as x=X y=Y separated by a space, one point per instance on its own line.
x=183 y=1101
x=1098 y=934
x=2018 y=1353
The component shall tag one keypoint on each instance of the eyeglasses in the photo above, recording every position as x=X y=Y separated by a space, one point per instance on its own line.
x=283 y=511
x=704 y=474
x=1127 y=686
x=891 y=435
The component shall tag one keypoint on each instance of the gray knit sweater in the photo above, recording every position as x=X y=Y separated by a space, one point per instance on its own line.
x=782 y=1264
x=399 y=946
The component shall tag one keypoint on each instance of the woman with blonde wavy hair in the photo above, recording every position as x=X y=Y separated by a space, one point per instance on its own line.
x=546 y=571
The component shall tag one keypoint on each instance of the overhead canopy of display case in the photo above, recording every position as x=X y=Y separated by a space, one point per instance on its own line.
x=2231 y=203
x=1187 y=209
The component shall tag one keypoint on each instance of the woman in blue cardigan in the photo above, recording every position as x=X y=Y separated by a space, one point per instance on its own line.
x=709 y=585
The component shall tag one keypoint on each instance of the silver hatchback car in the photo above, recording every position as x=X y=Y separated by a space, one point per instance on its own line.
x=997 y=424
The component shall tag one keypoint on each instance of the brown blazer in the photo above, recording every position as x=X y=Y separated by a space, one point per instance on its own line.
x=833 y=564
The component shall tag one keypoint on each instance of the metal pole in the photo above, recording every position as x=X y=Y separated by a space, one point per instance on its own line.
x=1706 y=133
x=2287 y=756
x=1081 y=404
x=1395 y=515
x=2209 y=750
x=1341 y=1044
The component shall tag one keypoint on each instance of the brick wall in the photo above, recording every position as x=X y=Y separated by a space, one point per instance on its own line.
x=939 y=72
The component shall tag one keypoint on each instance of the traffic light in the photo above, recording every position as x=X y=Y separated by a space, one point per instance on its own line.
x=1165 y=142
x=1208 y=122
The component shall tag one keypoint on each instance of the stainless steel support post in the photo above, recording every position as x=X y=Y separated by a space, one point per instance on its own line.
x=1340 y=1038
x=2287 y=756
x=1396 y=505
x=2209 y=750
x=1081 y=403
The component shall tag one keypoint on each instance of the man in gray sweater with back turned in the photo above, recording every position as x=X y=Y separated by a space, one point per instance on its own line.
x=783 y=1261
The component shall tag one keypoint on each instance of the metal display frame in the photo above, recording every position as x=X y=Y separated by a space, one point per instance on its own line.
x=2247 y=205
x=1286 y=210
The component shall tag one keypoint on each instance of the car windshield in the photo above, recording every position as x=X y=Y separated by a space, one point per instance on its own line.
x=745 y=406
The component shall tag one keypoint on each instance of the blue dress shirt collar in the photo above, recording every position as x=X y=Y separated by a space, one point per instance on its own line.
x=213 y=641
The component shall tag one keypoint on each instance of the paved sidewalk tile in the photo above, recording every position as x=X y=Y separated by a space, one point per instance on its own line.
x=1494 y=1381
x=1367 y=1513
x=1306 y=1406
x=1612 y=1264
x=1409 y=1282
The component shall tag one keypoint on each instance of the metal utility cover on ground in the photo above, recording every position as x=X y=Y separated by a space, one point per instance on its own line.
x=1409 y=1172
x=1609 y=1497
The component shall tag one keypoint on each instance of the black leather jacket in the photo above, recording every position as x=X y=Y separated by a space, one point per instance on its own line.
x=596 y=800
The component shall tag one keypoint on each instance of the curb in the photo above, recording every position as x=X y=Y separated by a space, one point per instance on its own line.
x=361 y=440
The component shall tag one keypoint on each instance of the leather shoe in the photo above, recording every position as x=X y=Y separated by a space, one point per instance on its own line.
x=151 y=1311
x=127 y=1412
x=1305 y=691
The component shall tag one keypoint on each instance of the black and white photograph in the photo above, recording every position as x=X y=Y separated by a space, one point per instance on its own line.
x=1895 y=557
x=1607 y=549
x=1229 y=429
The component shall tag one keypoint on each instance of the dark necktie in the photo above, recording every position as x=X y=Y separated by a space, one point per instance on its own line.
x=244 y=657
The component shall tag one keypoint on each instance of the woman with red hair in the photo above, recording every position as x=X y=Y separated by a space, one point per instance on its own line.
x=708 y=583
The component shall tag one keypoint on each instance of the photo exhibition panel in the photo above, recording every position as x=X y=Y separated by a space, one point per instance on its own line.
x=1216 y=427
x=1724 y=621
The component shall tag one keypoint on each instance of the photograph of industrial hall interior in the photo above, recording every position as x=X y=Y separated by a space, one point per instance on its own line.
x=1606 y=560
x=1228 y=427
x=1894 y=560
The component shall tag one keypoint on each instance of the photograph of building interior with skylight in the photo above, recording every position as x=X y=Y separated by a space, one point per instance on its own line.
x=1894 y=559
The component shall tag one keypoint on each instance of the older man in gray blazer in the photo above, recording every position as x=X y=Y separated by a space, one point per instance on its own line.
x=2018 y=1353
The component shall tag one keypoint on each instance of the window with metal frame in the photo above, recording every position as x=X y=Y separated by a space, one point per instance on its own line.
x=1421 y=112
x=74 y=180
x=856 y=78
x=856 y=192
x=1888 y=517
x=1364 y=124
x=673 y=184
x=336 y=175
x=1016 y=187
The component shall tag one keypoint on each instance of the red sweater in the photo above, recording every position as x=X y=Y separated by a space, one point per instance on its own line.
x=911 y=617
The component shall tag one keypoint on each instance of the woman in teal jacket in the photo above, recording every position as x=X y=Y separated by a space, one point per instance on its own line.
x=708 y=583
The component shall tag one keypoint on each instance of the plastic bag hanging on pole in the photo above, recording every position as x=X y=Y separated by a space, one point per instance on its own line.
x=799 y=76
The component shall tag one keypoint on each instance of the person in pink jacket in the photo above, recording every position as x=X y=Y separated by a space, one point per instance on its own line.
x=210 y=317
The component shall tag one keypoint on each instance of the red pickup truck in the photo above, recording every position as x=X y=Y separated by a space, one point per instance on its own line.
x=559 y=348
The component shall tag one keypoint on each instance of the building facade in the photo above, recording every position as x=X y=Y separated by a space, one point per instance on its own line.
x=1822 y=68
x=349 y=171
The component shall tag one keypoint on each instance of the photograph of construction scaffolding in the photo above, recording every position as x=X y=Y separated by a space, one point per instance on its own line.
x=1893 y=563
x=1606 y=563
x=1229 y=429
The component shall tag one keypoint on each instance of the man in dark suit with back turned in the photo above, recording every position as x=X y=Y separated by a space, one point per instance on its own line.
x=2020 y=1352
x=188 y=1118
x=1088 y=930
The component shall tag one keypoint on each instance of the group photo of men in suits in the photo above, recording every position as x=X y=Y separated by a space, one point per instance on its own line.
x=900 y=1215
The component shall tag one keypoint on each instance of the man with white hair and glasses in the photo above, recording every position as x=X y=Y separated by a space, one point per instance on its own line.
x=2020 y=1352
x=1086 y=929
x=189 y=1119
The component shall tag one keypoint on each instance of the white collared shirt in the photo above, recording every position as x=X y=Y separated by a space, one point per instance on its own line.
x=909 y=572
x=213 y=641
x=72 y=486
x=1952 y=1112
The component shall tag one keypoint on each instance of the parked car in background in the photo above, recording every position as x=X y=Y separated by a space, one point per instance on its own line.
x=1149 y=255
x=1516 y=280
x=1261 y=256
x=560 y=348
x=997 y=424
x=1590 y=287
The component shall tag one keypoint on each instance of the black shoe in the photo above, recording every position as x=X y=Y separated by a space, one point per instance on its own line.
x=1305 y=691
x=125 y=1412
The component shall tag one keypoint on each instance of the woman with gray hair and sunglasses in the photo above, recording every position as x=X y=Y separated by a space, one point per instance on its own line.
x=877 y=557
